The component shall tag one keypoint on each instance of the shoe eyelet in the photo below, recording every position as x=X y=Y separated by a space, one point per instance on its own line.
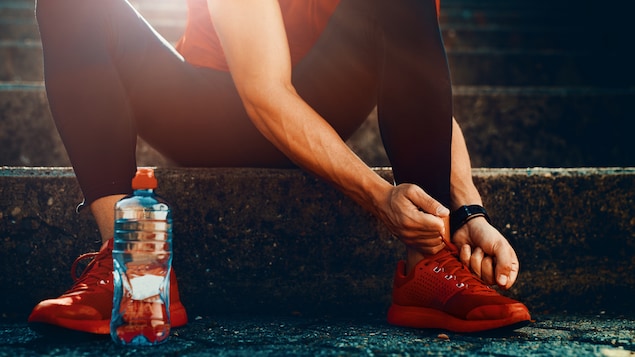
x=437 y=269
x=460 y=285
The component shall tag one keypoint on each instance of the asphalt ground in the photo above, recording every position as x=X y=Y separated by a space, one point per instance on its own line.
x=548 y=335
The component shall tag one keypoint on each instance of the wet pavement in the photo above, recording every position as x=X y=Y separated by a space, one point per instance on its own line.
x=548 y=335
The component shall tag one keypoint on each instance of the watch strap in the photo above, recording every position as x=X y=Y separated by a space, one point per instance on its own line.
x=465 y=213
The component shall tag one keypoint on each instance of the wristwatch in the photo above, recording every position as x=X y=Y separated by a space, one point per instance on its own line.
x=465 y=213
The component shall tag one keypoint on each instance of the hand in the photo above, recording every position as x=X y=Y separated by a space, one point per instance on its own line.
x=415 y=218
x=484 y=249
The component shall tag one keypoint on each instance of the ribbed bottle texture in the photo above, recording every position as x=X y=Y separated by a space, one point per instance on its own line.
x=142 y=257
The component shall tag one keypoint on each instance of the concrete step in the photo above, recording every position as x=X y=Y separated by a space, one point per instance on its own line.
x=516 y=37
x=281 y=241
x=516 y=5
x=546 y=126
x=605 y=21
x=504 y=127
x=487 y=66
x=473 y=14
x=23 y=62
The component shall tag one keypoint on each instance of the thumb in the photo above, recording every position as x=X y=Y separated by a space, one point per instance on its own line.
x=506 y=268
x=428 y=204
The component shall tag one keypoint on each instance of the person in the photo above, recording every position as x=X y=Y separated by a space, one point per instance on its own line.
x=280 y=83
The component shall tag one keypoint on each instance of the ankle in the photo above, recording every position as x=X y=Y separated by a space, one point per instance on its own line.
x=103 y=210
x=413 y=258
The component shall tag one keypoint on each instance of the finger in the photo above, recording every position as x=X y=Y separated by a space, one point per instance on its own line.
x=429 y=251
x=487 y=270
x=476 y=260
x=428 y=204
x=465 y=254
x=426 y=247
x=424 y=225
x=507 y=267
x=424 y=244
x=428 y=242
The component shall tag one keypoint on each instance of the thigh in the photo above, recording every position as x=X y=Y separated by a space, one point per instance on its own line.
x=192 y=115
x=195 y=117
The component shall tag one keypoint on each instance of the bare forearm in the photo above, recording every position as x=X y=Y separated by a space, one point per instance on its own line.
x=308 y=140
x=256 y=49
x=462 y=188
x=257 y=53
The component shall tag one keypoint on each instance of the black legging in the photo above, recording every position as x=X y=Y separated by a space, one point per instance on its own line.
x=110 y=77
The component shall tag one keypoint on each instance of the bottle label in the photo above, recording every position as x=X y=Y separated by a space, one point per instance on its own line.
x=146 y=288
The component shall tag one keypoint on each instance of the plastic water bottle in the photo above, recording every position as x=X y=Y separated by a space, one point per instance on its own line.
x=142 y=257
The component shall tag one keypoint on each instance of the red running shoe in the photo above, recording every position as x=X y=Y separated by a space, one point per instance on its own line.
x=442 y=293
x=87 y=306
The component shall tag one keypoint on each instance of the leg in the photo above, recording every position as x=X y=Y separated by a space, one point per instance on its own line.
x=415 y=97
x=87 y=100
x=104 y=213
x=392 y=55
x=111 y=77
x=415 y=114
x=415 y=101
x=86 y=63
x=91 y=107
x=462 y=186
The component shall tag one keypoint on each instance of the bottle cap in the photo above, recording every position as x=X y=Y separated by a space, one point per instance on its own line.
x=144 y=179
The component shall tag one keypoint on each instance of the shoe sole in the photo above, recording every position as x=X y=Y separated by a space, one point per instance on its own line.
x=178 y=317
x=426 y=318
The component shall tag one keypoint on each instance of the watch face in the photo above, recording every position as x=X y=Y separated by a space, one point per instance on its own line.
x=459 y=217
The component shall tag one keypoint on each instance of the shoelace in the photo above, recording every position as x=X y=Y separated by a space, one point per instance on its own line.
x=92 y=274
x=448 y=262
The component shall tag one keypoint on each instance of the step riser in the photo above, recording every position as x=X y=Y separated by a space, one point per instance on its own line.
x=282 y=241
x=502 y=129
x=516 y=38
x=538 y=69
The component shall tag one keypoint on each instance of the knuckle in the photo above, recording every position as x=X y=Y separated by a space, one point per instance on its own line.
x=410 y=190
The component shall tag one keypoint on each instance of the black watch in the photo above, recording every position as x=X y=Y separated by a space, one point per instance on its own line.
x=465 y=213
